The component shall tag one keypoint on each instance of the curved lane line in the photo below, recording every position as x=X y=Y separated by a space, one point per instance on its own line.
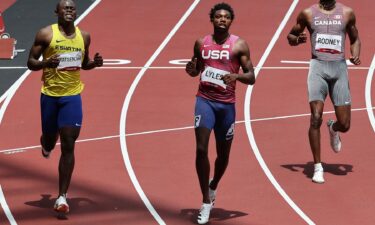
x=248 y=124
x=125 y=108
x=6 y=209
x=8 y=95
x=370 y=111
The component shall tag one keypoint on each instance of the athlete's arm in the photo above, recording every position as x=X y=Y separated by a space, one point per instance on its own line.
x=248 y=76
x=41 y=42
x=87 y=63
x=195 y=66
x=297 y=35
x=355 y=42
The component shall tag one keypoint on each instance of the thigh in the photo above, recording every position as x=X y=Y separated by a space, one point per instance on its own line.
x=70 y=111
x=340 y=90
x=49 y=114
x=316 y=82
x=204 y=114
x=225 y=120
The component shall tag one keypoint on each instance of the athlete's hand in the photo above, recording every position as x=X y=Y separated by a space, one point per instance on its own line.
x=229 y=78
x=301 y=38
x=98 y=60
x=355 y=60
x=52 y=62
x=191 y=67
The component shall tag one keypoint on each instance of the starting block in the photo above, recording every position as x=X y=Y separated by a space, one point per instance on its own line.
x=7 y=44
x=7 y=48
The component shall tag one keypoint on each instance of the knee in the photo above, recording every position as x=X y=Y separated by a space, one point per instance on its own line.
x=345 y=126
x=316 y=121
x=201 y=151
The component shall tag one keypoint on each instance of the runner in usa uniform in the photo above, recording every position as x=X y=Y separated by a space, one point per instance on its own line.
x=65 y=50
x=328 y=23
x=217 y=58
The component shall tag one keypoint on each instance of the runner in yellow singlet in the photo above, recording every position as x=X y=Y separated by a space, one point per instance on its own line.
x=65 y=50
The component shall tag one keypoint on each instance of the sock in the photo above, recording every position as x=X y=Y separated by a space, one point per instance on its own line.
x=318 y=166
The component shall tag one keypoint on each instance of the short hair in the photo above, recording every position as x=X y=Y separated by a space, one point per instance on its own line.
x=60 y=1
x=221 y=6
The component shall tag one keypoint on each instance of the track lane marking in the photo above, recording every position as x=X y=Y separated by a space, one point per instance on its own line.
x=249 y=130
x=6 y=209
x=125 y=108
x=24 y=149
x=369 y=79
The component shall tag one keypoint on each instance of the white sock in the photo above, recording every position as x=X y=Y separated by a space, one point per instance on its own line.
x=318 y=166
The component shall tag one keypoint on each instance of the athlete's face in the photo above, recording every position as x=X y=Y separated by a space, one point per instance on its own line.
x=66 y=11
x=222 y=19
x=327 y=4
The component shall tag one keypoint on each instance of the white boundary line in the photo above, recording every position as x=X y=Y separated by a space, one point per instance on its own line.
x=369 y=79
x=183 y=67
x=6 y=209
x=8 y=95
x=248 y=124
x=126 y=107
x=24 y=149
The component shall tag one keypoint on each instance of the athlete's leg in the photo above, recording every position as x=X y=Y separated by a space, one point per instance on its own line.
x=316 y=108
x=70 y=121
x=221 y=163
x=68 y=136
x=202 y=163
x=343 y=115
x=49 y=113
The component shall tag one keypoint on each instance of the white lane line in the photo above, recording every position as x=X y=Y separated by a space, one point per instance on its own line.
x=126 y=107
x=8 y=95
x=182 y=68
x=6 y=209
x=370 y=111
x=249 y=128
x=24 y=149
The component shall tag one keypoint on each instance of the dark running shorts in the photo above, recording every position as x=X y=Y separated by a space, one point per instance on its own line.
x=58 y=112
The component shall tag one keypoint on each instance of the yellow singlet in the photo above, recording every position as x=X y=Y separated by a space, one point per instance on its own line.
x=65 y=79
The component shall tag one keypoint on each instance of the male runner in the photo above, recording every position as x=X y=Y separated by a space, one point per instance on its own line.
x=217 y=58
x=65 y=50
x=328 y=23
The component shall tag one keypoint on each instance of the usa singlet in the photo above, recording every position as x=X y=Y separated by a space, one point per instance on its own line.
x=328 y=34
x=218 y=60
x=65 y=79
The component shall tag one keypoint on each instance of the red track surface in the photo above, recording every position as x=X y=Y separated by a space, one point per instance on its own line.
x=102 y=192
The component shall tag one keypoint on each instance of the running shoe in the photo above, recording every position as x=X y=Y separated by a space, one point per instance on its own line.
x=212 y=194
x=61 y=206
x=334 y=137
x=204 y=213
x=45 y=153
x=318 y=174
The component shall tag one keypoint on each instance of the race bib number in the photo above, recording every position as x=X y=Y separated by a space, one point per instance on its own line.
x=214 y=76
x=328 y=43
x=70 y=61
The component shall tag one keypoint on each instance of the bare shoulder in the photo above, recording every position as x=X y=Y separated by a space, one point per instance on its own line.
x=85 y=34
x=44 y=35
x=348 y=13
x=305 y=14
x=199 y=42
x=240 y=46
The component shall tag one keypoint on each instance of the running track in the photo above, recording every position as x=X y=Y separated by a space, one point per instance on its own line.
x=135 y=156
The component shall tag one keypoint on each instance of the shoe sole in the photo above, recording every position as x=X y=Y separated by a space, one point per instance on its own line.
x=318 y=182
x=62 y=209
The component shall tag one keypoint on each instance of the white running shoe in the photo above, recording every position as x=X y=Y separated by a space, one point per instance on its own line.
x=211 y=193
x=61 y=205
x=318 y=174
x=334 y=137
x=204 y=213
